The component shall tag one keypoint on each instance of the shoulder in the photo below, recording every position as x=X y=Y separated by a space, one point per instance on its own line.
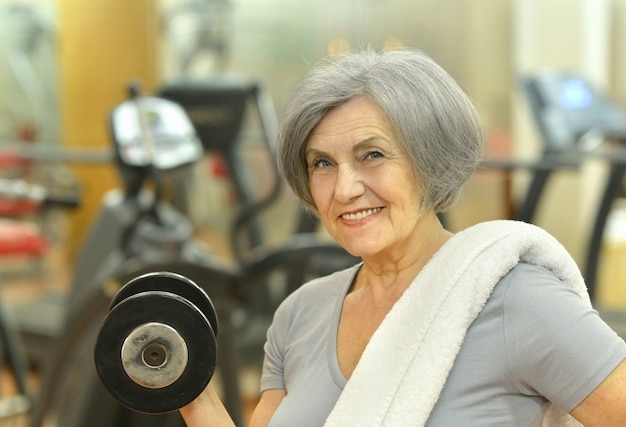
x=318 y=292
x=552 y=336
x=330 y=285
x=530 y=287
x=536 y=304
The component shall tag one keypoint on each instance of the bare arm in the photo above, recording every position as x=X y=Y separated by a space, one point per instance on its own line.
x=606 y=405
x=207 y=410
x=270 y=399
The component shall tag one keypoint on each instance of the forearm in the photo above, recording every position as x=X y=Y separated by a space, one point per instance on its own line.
x=207 y=410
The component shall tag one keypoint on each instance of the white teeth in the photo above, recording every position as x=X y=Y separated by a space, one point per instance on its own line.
x=360 y=215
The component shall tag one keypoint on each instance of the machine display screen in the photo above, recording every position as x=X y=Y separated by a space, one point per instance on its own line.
x=568 y=107
x=575 y=95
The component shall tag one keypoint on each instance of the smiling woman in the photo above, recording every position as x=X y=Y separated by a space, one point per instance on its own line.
x=490 y=326
x=360 y=179
x=439 y=130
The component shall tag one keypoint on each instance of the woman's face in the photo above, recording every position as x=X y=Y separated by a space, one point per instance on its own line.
x=362 y=181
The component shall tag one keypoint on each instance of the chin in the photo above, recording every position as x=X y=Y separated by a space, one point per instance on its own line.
x=362 y=251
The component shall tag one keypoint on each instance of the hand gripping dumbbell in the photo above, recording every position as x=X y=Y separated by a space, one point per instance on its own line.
x=156 y=348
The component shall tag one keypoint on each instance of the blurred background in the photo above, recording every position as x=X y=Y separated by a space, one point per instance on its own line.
x=65 y=64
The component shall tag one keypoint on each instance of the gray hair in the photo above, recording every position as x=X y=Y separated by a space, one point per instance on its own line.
x=435 y=121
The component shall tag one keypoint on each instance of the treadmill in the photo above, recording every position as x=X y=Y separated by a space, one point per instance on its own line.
x=570 y=112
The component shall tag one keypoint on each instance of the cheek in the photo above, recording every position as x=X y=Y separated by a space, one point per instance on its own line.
x=319 y=192
x=405 y=189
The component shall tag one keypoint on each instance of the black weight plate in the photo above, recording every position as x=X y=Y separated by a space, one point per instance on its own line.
x=170 y=282
x=191 y=325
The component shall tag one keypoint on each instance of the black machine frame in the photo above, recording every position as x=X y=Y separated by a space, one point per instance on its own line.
x=568 y=109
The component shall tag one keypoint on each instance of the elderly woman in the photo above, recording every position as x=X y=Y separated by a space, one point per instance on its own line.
x=490 y=326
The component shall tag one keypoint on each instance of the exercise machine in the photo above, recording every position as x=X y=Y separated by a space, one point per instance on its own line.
x=136 y=228
x=21 y=237
x=576 y=122
x=144 y=150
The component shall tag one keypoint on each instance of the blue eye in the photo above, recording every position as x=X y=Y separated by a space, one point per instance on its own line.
x=320 y=163
x=374 y=155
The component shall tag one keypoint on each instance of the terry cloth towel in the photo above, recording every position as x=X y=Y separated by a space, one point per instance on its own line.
x=418 y=340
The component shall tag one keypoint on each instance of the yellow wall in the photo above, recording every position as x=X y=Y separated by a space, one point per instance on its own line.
x=102 y=45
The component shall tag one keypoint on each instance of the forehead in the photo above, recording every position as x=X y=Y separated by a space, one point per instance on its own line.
x=357 y=116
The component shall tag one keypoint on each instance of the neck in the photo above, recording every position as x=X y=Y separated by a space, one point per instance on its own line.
x=394 y=271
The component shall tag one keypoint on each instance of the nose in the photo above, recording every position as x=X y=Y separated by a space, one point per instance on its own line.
x=349 y=183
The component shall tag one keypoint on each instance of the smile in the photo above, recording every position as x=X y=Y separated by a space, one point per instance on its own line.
x=360 y=215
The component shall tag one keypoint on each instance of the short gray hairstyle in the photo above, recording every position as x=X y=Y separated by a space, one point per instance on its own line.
x=433 y=118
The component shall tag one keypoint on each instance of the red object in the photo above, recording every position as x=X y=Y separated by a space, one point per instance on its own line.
x=21 y=238
x=219 y=166
x=14 y=164
x=12 y=160
x=14 y=208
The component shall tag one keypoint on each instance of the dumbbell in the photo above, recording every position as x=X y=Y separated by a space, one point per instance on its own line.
x=156 y=348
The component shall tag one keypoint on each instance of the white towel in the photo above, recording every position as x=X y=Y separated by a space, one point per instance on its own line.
x=417 y=342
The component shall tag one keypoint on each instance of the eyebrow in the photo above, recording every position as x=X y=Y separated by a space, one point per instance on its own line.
x=355 y=147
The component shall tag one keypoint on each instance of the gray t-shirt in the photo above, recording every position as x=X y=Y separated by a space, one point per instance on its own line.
x=534 y=340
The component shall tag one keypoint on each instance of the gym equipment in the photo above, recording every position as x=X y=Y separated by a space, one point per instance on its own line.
x=218 y=107
x=71 y=390
x=156 y=348
x=567 y=109
x=131 y=220
x=150 y=235
x=13 y=362
x=136 y=232
x=18 y=237
x=25 y=237
x=32 y=197
x=18 y=198
x=573 y=117
x=150 y=136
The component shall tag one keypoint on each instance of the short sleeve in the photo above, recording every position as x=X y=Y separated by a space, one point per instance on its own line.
x=272 y=376
x=557 y=346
